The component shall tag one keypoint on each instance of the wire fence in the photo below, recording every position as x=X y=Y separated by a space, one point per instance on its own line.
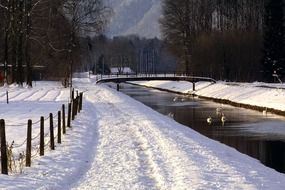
x=15 y=156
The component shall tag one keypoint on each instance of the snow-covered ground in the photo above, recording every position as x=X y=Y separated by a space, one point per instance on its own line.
x=255 y=94
x=118 y=143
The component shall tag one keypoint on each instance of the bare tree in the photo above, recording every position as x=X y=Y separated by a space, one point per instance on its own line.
x=28 y=9
x=46 y=33
x=232 y=28
x=86 y=17
x=182 y=21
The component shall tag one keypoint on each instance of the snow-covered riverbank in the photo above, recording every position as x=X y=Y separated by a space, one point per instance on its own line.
x=256 y=95
x=119 y=143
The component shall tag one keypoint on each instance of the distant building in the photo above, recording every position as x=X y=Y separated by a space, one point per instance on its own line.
x=121 y=70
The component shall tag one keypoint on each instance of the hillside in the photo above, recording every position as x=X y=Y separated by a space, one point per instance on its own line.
x=135 y=17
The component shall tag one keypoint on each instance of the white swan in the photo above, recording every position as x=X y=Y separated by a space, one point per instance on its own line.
x=171 y=115
x=264 y=112
x=209 y=120
x=175 y=99
x=223 y=119
x=218 y=111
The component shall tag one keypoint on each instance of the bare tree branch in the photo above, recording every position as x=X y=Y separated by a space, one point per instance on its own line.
x=4 y=7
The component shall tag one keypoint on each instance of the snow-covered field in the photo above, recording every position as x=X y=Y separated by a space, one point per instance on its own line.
x=255 y=94
x=118 y=143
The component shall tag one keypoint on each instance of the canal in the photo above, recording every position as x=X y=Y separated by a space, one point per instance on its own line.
x=259 y=135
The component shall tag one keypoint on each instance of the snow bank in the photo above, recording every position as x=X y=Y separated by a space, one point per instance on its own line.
x=254 y=94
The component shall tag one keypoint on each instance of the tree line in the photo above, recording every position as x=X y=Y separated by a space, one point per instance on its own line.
x=45 y=35
x=241 y=40
x=141 y=55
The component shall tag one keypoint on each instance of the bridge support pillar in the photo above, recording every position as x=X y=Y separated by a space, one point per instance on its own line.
x=193 y=86
x=118 y=86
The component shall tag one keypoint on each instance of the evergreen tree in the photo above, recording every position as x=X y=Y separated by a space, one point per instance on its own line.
x=273 y=47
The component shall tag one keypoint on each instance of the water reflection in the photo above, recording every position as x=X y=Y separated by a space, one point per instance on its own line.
x=250 y=132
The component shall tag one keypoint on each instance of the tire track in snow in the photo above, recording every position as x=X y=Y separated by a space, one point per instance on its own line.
x=14 y=94
x=50 y=95
x=63 y=95
x=2 y=94
x=173 y=163
x=163 y=163
x=159 y=162
x=148 y=161
x=37 y=95
x=139 y=143
x=168 y=164
x=24 y=95
x=116 y=164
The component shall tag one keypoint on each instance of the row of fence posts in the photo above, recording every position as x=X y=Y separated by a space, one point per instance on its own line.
x=74 y=107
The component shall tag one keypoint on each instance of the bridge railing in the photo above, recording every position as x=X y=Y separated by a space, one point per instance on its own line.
x=103 y=76
x=118 y=78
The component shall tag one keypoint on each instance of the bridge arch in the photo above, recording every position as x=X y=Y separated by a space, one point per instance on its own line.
x=192 y=79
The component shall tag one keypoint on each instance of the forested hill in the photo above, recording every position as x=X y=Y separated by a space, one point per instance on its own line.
x=135 y=17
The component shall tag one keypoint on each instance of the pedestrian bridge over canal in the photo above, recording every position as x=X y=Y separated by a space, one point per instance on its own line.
x=121 y=79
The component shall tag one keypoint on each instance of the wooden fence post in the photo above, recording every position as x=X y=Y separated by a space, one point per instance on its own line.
x=77 y=104
x=4 y=158
x=81 y=101
x=73 y=110
x=63 y=119
x=42 y=137
x=69 y=115
x=7 y=96
x=51 y=131
x=72 y=94
x=29 y=144
x=75 y=107
x=59 y=127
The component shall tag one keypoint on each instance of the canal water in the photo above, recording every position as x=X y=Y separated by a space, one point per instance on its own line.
x=259 y=135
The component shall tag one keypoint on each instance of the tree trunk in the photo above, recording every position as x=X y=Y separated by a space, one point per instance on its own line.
x=28 y=43
x=20 y=45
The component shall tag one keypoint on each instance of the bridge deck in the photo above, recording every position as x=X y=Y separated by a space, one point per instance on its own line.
x=192 y=79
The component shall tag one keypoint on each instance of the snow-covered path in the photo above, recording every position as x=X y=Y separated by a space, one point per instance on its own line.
x=140 y=149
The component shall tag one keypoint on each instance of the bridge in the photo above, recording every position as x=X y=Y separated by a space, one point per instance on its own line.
x=121 y=79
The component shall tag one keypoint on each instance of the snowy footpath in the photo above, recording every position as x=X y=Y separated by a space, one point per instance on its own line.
x=118 y=143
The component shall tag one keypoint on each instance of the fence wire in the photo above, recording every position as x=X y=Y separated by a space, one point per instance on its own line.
x=17 y=160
